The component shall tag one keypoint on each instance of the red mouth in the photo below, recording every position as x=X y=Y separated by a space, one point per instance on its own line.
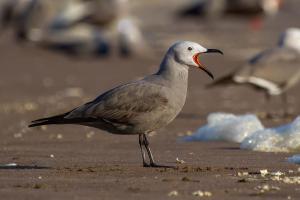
x=196 y=59
x=200 y=66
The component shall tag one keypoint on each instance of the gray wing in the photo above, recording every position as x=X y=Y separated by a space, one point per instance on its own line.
x=124 y=104
x=278 y=65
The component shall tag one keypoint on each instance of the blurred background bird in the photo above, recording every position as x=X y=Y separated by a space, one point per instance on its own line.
x=254 y=11
x=217 y=8
x=81 y=27
x=274 y=70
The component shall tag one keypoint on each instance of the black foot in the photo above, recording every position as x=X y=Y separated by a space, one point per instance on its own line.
x=154 y=165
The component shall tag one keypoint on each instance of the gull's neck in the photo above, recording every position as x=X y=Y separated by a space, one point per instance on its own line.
x=173 y=71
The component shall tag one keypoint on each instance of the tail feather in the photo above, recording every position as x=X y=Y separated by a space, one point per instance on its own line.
x=57 y=119
x=60 y=119
x=226 y=80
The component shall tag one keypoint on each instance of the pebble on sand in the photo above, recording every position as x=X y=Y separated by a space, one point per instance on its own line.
x=263 y=172
x=200 y=193
x=173 y=193
x=179 y=161
x=265 y=188
x=59 y=136
x=90 y=134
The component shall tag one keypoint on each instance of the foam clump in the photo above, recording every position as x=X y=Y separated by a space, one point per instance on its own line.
x=249 y=131
x=227 y=127
x=294 y=159
x=284 y=138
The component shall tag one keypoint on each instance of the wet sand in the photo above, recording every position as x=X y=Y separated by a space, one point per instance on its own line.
x=74 y=162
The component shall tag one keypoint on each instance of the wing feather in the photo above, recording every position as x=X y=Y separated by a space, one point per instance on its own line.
x=124 y=104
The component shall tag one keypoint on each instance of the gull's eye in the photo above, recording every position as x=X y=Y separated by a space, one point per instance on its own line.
x=190 y=48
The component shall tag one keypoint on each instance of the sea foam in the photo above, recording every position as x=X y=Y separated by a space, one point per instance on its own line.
x=249 y=131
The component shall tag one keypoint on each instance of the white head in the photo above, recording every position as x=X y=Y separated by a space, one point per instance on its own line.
x=187 y=53
x=290 y=38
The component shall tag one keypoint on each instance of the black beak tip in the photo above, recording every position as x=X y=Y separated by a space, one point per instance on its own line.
x=208 y=73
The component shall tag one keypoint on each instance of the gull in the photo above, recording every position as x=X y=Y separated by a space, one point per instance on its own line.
x=11 y=10
x=274 y=70
x=142 y=106
x=78 y=27
x=217 y=8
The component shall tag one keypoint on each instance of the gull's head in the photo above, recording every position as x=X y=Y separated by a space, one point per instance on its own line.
x=290 y=38
x=188 y=53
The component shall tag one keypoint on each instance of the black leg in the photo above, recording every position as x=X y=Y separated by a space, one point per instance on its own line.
x=151 y=159
x=285 y=101
x=146 y=144
x=268 y=103
x=141 y=143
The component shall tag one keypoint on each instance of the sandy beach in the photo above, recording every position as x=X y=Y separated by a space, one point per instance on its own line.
x=76 y=162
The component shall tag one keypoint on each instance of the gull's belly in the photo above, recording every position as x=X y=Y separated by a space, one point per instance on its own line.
x=144 y=122
x=156 y=121
x=160 y=118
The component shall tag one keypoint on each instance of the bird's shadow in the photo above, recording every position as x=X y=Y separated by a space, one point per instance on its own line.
x=22 y=167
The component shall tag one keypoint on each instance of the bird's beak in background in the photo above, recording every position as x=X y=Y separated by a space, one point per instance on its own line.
x=197 y=61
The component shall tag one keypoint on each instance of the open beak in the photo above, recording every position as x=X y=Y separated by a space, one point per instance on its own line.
x=197 y=61
x=214 y=51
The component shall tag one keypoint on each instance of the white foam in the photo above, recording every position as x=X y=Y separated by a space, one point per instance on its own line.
x=294 y=159
x=227 y=127
x=284 y=138
x=249 y=131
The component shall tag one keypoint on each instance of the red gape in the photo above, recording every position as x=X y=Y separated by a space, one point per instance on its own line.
x=196 y=59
